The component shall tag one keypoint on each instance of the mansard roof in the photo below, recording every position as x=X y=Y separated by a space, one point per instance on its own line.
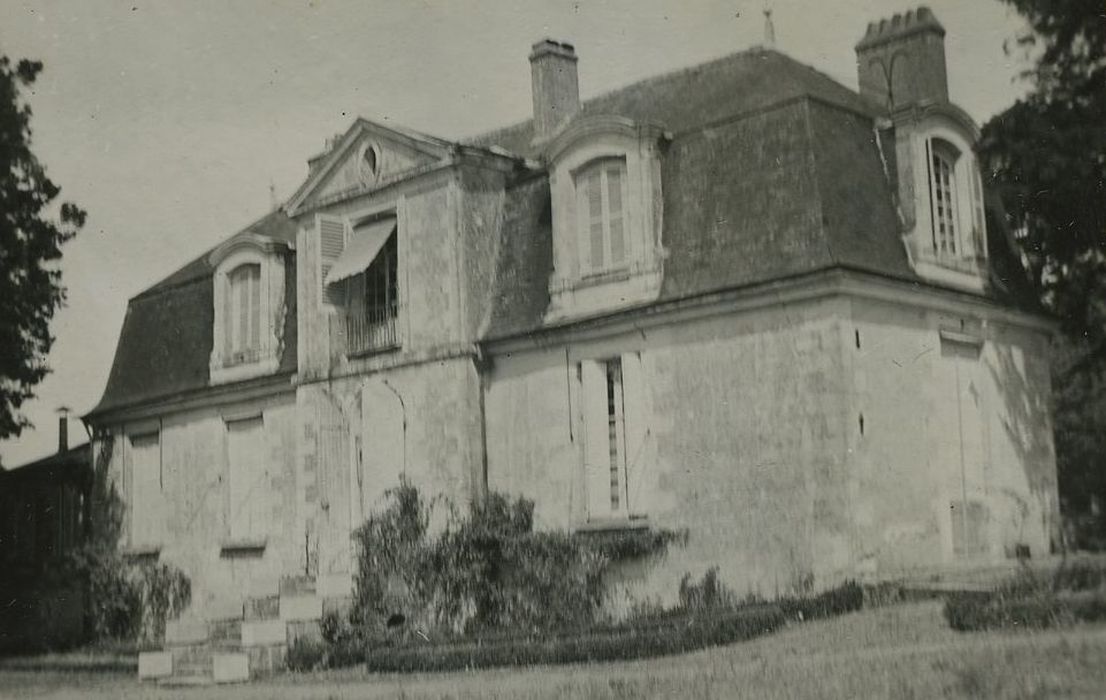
x=165 y=345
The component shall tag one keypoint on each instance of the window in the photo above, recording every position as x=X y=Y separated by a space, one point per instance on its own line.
x=969 y=528
x=248 y=307
x=943 y=196
x=374 y=302
x=600 y=193
x=243 y=314
x=147 y=507
x=614 y=434
x=248 y=479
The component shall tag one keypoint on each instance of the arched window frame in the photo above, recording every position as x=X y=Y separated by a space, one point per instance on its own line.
x=967 y=242
x=605 y=243
x=256 y=352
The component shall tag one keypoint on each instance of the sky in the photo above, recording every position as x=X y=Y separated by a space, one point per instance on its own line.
x=174 y=124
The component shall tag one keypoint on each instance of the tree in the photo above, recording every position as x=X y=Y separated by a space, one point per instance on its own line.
x=1046 y=158
x=30 y=245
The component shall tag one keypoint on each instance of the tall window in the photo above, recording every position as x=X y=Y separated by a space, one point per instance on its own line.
x=600 y=192
x=147 y=509
x=943 y=204
x=242 y=326
x=249 y=498
x=375 y=302
x=616 y=434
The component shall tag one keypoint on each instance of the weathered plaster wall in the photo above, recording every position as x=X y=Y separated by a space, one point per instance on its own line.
x=930 y=404
x=195 y=499
x=747 y=444
x=360 y=433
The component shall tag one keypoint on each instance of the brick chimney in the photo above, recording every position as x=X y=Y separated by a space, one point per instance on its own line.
x=63 y=432
x=554 y=84
x=901 y=61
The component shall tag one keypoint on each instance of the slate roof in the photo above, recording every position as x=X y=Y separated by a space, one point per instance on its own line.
x=165 y=345
x=704 y=94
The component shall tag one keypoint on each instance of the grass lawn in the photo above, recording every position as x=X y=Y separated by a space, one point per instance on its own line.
x=895 y=652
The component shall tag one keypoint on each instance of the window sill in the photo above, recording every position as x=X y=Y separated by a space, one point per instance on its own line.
x=243 y=547
x=634 y=522
x=370 y=352
x=605 y=277
x=142 y=551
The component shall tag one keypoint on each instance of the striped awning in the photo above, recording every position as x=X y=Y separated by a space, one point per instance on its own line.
x=365 y=244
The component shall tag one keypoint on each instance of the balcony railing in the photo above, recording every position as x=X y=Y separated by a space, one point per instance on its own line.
x=374 y=329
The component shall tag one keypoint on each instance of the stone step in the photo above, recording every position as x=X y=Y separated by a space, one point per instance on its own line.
x=297 y=585
x=185 y=632
x=221 y=631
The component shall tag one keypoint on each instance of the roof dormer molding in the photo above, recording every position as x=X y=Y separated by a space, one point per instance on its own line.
x=246 y=241
x=598 y=127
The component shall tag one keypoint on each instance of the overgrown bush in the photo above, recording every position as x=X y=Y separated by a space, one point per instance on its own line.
x=1033 y=600
x=707 y=594
x=846 y=598
x=486 y=571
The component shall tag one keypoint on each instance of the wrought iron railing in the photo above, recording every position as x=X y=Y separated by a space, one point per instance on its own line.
x=373 y=329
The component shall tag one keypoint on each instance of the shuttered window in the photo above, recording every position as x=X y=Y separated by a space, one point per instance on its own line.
x=147 y=503
x=249 y=493
x=601 y=191
x=242 y=322
x=332 y=241
x=613 y=396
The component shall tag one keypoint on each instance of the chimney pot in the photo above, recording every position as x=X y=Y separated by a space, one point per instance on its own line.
x=63 y=433
x=554 y=83
x=901 y=61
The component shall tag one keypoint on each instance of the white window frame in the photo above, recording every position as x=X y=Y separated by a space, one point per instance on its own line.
x=228 y=363
x=598 y=171
x=242 y=327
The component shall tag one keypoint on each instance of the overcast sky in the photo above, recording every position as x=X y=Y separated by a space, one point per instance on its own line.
x=170 y=121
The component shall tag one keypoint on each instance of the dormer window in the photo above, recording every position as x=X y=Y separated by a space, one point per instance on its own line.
x=605 y=185
x=940 y=185
x=600 y=193
x=942 y=192
x=248 y=297
x=243 y=314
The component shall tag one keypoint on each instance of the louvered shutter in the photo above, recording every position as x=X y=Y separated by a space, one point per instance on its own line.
x=636 y=409
x=248 y=479
x=597 y=448
x=332 y=240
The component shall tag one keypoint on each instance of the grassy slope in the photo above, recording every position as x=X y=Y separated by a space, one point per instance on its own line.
x=897 y=652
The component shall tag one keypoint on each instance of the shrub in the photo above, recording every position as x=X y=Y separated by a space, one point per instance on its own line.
x=707 y=594
x=848 y=597
x=306 y=654
x=486 y=571
x=675 y=634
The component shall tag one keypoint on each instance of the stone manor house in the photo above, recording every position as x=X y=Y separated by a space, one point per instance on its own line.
x=740 y=300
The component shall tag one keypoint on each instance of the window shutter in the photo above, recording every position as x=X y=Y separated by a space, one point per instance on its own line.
x=636 y=408
x=597 y=455
x=255 y=309
x=332 y=241
x=614 y=215
x=147 y=512
x=980 y=218
x=248 y=491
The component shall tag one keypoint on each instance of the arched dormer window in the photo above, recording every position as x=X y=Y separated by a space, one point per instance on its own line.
x=242 y=307
x=605 y=190
x=943 y=196
x=600 y=194
x=249 y=314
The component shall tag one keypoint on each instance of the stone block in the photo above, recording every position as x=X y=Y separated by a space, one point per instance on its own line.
x=301 y=607
x=266 y=660
x=267 y=608
x=226 y=609
x=263 y=587
x=264 y=632
x=154 y=664
x=231 y=668
x=296 y=585
x=305 y=630
x=334 y=585
x=185 y=632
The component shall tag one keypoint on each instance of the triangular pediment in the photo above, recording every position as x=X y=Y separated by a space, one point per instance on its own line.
x=368 y=155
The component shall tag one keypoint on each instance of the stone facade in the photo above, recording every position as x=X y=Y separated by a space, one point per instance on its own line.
x=715 y=301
